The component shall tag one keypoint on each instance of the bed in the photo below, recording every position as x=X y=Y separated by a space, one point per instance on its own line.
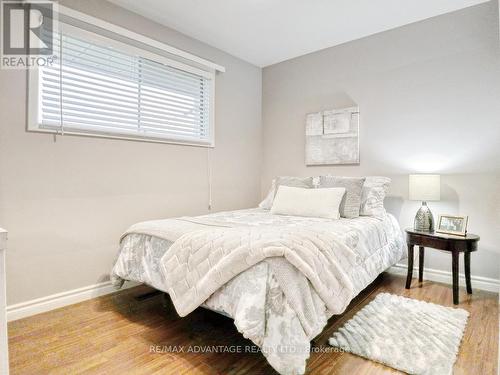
x=277 y=301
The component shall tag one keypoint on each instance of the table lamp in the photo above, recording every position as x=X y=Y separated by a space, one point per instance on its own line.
x=424 y=188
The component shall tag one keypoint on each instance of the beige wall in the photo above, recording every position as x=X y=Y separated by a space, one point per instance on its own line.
x=429 y=96
x=66 y=203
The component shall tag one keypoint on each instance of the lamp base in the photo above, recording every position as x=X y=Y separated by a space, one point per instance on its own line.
x=424 y=221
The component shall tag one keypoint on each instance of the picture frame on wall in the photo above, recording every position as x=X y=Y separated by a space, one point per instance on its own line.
x=452 y=224
x=332 y=137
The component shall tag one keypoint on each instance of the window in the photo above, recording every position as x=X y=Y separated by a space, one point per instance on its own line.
x=101 y=86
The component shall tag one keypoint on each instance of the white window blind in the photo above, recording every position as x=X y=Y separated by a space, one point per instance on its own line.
x=100 y=86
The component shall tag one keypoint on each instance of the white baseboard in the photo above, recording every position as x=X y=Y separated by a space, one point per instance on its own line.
x=478 y=282
x=54 y=301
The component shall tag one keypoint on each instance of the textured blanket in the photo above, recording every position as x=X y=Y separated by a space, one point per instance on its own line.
x=201 y=262
x=308 y=271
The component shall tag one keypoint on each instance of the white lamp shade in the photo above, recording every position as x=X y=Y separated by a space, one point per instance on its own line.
x=425 y=187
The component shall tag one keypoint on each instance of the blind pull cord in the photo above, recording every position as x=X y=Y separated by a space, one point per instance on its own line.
x=61 y=84
x=209 y=178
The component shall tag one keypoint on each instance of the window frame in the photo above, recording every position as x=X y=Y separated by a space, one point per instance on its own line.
x=34 y=90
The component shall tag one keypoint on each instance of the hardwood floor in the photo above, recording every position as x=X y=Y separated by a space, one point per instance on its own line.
x=115 y=334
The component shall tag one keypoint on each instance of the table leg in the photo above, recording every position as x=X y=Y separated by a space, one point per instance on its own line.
x=467 y=272
x=410 y=266
x=420 y=264
x=455 y=258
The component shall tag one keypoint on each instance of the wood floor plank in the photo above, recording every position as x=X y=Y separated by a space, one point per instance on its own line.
x=118 y=334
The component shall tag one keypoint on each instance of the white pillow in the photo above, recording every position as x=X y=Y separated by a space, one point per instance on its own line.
x=373 y=194
x=294 y=201
x=300 y=182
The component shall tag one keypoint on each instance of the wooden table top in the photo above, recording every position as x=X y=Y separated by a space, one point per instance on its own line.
x=468 y=237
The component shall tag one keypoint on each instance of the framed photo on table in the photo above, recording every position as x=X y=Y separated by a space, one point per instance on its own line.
x=452 y=224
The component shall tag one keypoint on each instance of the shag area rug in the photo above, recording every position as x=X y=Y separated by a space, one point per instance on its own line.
x=412 y=336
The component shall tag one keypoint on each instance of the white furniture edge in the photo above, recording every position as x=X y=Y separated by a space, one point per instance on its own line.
x=478 y=282
x=4 y=344
x=55 y=301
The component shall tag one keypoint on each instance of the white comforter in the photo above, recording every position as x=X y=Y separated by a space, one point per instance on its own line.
x=278 y=306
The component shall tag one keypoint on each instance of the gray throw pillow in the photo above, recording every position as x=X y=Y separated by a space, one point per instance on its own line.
x=351 y=203
x=372 y=199
x=299 y=182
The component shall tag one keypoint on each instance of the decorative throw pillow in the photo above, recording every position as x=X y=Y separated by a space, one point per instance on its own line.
x=268 y=200
x=372 y=197
x=301 y=182
x=323 y=203
x=351 y=203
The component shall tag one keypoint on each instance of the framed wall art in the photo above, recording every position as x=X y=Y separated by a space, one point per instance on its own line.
x=332 y=137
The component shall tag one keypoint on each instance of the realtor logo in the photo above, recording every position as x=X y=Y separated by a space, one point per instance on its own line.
x=27 y=33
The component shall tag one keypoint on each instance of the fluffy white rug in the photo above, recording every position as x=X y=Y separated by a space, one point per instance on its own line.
x=409 y=335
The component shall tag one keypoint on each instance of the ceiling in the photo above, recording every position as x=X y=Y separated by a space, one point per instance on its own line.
x=264 y=32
